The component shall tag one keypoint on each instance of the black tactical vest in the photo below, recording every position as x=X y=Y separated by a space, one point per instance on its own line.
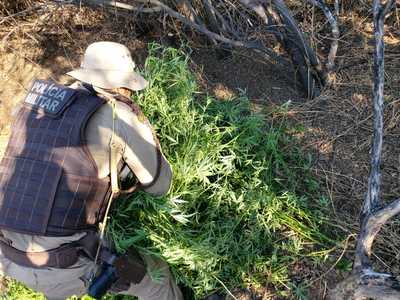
x=48 y=179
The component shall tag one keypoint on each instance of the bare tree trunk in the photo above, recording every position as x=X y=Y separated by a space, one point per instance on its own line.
x=364 y=282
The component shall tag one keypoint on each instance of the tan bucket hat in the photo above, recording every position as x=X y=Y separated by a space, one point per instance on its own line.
x=109 y=65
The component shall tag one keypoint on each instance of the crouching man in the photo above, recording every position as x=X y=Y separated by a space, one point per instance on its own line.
x=60 y=172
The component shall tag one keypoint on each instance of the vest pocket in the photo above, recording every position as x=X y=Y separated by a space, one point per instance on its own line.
x=27 y=193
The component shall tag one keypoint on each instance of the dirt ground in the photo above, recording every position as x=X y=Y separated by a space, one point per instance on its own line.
x=338 y=124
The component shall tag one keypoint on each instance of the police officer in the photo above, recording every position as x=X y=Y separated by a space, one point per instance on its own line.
x=58 y=177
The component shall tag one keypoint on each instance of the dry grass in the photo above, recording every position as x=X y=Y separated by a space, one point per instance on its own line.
x=8 y=7
x=339 y=127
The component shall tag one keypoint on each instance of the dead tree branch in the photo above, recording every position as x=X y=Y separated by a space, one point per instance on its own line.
x=369 y=229
x=229 y=25
x=116 y=4
x=22 y=13
x=364 y=282
x=212 y=35
x=372 y=198
x=287 y=32
x=309 y=68
x=332 y=19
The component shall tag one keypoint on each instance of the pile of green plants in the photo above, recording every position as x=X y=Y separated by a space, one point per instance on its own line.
x=238 y=213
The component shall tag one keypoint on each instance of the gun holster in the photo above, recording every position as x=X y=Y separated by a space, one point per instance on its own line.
x=117 y=273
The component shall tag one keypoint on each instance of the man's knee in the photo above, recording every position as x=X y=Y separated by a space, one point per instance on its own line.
x=158 y=283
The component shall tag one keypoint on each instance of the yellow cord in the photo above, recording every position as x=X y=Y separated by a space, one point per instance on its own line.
x=103 y=226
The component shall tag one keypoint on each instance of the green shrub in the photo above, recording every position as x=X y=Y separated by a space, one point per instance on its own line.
x=237 y=214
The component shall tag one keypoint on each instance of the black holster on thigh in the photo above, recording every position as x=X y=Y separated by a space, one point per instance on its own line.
x=117 y=273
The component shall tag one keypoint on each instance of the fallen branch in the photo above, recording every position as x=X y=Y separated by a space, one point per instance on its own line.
x=115 y=4
x=202 y=29
x=213 y=35
x=287 y=32
x=231 y=27
x=22 y=13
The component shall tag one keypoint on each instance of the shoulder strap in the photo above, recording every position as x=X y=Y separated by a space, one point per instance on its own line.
x=115 y=150
x=115 y=147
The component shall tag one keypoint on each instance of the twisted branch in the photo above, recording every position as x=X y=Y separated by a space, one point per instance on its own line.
x=225 y=30
x=369 y=229
x=287 y=32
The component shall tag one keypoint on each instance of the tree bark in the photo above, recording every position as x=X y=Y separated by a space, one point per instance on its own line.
x=364 y=282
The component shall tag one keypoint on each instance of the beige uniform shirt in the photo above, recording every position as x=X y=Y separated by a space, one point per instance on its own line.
x=138 y=151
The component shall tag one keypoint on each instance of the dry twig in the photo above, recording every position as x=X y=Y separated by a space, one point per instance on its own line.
x=228 y=24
